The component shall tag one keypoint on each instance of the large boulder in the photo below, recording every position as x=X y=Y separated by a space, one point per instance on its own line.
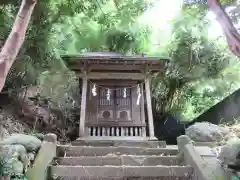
x=13 y=159
x=229 y=151
x=39 y=136
x=8 y=151
x=207 y=132
x=31 y=143
x=14 y=167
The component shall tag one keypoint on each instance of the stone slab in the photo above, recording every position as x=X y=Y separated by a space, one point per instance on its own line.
x=209 y=144
x=205 y=167
x=204 y=151
x=120 y=171
x=125 y=178
x=150 y=160
x=115 y=143
x=120 y=160
x=103 y=151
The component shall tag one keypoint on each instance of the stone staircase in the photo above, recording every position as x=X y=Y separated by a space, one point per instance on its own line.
x=92 y=160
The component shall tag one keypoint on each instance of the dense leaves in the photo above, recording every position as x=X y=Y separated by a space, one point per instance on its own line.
x=202 y=71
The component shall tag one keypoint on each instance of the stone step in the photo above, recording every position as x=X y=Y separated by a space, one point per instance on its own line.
x=127 y=178
x=115 y=143
x=126 y=160
x=121 y=172
x=63 y=151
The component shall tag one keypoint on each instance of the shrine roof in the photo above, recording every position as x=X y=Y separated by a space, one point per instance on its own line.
x=108 y=59
x=110 y=56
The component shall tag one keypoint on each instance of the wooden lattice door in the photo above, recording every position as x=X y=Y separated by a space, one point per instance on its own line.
x=118 y=108
x=123 y=104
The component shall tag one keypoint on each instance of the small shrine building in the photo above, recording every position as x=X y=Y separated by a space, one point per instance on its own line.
x=115 y=90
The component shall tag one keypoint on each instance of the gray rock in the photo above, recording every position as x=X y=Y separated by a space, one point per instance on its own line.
x=39 y=136
x=31 y=143
x=207 y=132
x=15 y=167
x=13 y=158
x=229 y=151
x=31 y=156
x=9 y=151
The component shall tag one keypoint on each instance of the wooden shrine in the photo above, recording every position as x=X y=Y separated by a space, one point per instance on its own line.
x=115 y=91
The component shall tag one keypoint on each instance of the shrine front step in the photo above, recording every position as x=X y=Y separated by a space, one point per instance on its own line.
x=122 y=172
x=67 y=151
x=116 y=143
x=119 y=163
x=123 y=160
x=124 y=178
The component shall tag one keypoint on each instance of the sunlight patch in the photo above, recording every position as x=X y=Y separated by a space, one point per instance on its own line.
x=158 y=18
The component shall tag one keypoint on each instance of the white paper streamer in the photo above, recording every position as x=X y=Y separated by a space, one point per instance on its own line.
x=94 y=92
x=108 y=94
x=125 y=92
x=139 y=94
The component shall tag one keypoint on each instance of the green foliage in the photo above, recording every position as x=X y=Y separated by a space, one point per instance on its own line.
x=111 y=28
x=201 y=71
x=194 y=79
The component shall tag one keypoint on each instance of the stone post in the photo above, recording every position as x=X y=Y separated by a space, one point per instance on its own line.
x=43 y=159
x=205 y=167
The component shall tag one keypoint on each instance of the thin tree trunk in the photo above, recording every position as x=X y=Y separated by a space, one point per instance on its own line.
x=231 y=33
x=15 y=39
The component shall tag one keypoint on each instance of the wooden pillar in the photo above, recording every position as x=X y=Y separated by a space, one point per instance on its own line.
x=149 y=108
x=83 y=107
x=143 y=112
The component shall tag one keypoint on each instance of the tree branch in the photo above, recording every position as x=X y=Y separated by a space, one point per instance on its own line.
x=231 y=33
x=15 y=39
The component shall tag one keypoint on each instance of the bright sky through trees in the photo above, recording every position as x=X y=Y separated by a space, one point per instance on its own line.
x=163 y=11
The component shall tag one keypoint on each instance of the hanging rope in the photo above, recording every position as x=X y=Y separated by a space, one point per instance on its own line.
x=114 y=89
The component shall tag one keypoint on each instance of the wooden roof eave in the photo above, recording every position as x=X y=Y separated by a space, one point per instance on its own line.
x=116 y=63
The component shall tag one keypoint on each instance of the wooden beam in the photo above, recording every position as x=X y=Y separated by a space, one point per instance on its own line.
x=143 y=112
x=113 y=82
x=116 y=67
x=114 y=124
x=149 y=108
x=83 y=107
x=132 y=76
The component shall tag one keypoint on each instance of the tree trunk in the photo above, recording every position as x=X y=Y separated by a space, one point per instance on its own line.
x=231 y=33
x=15 y=39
